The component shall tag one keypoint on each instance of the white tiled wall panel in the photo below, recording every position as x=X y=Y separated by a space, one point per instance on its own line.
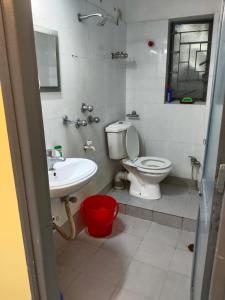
x=89 y=76
x=172 y=131
x=142 y=10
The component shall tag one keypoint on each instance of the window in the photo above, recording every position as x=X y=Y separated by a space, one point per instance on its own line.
x=189 y=59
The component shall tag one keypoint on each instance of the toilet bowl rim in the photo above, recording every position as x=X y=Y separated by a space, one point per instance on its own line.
x=138 y=163
x=154 y=172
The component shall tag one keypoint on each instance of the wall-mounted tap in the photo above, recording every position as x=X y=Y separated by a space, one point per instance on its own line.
x=93 y=119
x=194 y=161
x=77 y=123
x=86 y=107
x=89 y=146
x=67 y=121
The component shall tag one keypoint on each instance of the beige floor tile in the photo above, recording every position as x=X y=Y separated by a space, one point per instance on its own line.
x=144 y=279
x=123 y=243
x=132 y=225
x=85 y=237
x=107 y=265
x=182 y=262
x=76 y=254
x=156 y=254
x=177 y=287
x=89 y=288
x=121 y=294
x=162 y=234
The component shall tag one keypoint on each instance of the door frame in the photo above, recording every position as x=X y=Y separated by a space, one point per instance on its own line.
x=21 y=97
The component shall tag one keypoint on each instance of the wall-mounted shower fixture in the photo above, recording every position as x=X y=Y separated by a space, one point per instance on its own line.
x=102 y=19
x=86 y=107
x=119 y=55
x=93 y=119
x=77 y=123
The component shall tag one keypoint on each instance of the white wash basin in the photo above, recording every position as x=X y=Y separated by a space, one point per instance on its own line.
x=70 y=175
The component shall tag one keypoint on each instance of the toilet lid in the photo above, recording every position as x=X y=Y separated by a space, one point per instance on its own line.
x=132 y=143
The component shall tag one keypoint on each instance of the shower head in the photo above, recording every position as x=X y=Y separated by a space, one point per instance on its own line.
x=102 y=19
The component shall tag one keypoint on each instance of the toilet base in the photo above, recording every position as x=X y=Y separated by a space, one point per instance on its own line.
x=148 y=191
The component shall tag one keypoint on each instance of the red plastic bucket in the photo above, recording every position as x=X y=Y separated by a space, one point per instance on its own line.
x=99 y=212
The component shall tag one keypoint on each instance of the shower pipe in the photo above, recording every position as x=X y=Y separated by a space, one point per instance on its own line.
x=72 y=235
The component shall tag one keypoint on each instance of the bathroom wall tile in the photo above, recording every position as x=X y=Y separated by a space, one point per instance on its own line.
x=167 y=220
x=189 y=224
x=165 y=130
x=151 y=10
x=89 y=75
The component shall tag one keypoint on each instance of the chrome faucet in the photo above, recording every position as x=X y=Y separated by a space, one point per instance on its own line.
x=77 y=123
x=52 y=158
x=89 y=146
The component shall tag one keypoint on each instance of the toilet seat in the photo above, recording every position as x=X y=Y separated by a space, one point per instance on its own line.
x=149 y=164
x=153 y=163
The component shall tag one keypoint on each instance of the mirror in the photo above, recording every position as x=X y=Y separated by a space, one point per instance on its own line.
x=47 y=52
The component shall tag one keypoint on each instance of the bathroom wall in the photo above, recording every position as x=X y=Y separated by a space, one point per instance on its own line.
x=145 y=10
x=172 y=131
x=88 y=74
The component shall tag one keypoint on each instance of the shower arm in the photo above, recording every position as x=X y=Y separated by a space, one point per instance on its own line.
x=84 y=17
x=101 y=16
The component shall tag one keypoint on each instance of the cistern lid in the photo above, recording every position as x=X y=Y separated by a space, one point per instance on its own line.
x=118 y=126
x=132 y=143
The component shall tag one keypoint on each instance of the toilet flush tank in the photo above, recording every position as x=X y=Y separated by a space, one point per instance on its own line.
x=116 y=137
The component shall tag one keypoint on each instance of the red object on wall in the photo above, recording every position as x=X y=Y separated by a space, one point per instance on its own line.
x=151 y=44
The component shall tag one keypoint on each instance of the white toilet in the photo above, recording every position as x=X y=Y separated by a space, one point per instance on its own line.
x=144 y=173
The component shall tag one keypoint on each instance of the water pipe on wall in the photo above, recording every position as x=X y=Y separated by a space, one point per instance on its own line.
x=195 y=166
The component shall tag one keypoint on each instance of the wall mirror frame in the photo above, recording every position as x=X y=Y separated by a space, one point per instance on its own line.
x=47 y=52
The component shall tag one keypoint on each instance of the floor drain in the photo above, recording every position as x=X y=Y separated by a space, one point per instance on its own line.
x=191 y=247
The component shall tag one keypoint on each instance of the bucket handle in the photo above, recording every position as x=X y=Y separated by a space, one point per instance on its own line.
x=115 y=214
x=116 y=211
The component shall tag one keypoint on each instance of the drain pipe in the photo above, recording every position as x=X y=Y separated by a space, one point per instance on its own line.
x=119 y=180
x=69 y=237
